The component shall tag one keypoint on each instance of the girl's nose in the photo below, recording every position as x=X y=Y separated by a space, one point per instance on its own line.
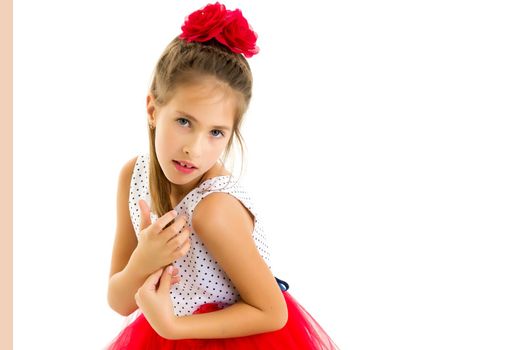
x=192 y=148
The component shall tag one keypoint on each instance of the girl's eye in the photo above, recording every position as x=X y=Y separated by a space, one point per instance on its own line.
x=220 y=133
x=178 y=120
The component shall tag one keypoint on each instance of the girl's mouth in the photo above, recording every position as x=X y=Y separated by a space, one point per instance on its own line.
x=182 y=168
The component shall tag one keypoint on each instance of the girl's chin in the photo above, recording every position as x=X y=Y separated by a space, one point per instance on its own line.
x=178 y=178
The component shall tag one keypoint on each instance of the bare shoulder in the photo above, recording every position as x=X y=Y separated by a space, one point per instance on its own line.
x=222 y=209
x=124 y=180
x=127 y=169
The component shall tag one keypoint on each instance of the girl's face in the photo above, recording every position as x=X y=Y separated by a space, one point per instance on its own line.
x=194 y=126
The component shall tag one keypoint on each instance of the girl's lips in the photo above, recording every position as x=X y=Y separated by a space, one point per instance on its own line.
x=182 y=168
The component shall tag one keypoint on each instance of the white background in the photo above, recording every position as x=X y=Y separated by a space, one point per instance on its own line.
x=385 y=149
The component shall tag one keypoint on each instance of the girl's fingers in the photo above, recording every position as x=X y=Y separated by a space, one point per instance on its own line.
x=179 y=239
x=145 y=219
x=179 y=252
x=153 y=279
x=175 y=279
x=174 y=230
x=164 y=284
x=165 y=219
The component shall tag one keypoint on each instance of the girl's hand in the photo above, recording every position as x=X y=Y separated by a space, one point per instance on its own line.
x=153 y=298
x=158 y=247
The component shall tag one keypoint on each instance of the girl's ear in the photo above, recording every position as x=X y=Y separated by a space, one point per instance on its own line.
x=150 y=108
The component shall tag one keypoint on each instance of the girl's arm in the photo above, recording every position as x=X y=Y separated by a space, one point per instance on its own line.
x=125 y=278
x=225 y=227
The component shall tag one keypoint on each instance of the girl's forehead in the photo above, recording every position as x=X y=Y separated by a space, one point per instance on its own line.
x=199 y=96
x=207 y=101
x=208 y=90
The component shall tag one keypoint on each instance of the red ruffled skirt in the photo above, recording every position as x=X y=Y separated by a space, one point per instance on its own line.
x=301 y=332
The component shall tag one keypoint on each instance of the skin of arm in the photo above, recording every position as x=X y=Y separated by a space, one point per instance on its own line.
x=125 y=278
x=225 y=227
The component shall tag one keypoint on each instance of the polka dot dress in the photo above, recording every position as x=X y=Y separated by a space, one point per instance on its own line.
x=202 y=279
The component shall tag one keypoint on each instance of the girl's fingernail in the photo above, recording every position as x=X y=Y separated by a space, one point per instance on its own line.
x=170 y=269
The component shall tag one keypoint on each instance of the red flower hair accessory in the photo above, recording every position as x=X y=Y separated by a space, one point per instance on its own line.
x=230 y=28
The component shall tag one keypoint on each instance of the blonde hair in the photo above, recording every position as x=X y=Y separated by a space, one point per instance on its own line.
x=185 y=63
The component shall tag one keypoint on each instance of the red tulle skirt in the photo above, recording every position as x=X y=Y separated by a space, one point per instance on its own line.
x=301 y=332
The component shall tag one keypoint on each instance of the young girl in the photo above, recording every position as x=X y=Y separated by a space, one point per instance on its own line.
x=190 y=252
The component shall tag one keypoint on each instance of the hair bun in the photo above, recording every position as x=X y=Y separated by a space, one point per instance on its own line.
x=230 y=28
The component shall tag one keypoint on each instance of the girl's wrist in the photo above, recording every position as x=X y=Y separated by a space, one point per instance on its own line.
x=173 y=330
x=136 y=266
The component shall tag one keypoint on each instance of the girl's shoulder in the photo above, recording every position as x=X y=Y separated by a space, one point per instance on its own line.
x=226 y=184
x=128 y=168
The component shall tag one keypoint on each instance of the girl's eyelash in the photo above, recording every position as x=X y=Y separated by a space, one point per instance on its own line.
x=221 y=132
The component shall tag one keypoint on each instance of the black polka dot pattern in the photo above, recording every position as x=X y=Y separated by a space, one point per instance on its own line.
x=202 y=279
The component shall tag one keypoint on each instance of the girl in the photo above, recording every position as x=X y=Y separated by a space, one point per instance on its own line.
x=200 y=273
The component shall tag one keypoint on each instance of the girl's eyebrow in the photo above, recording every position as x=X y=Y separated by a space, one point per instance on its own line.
x=196 y=121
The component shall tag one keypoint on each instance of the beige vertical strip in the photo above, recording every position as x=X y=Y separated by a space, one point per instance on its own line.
x=6 y=174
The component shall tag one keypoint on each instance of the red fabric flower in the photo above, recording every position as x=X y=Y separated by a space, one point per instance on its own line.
x=238 y=35
x=229 y=28
x=204 y=24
